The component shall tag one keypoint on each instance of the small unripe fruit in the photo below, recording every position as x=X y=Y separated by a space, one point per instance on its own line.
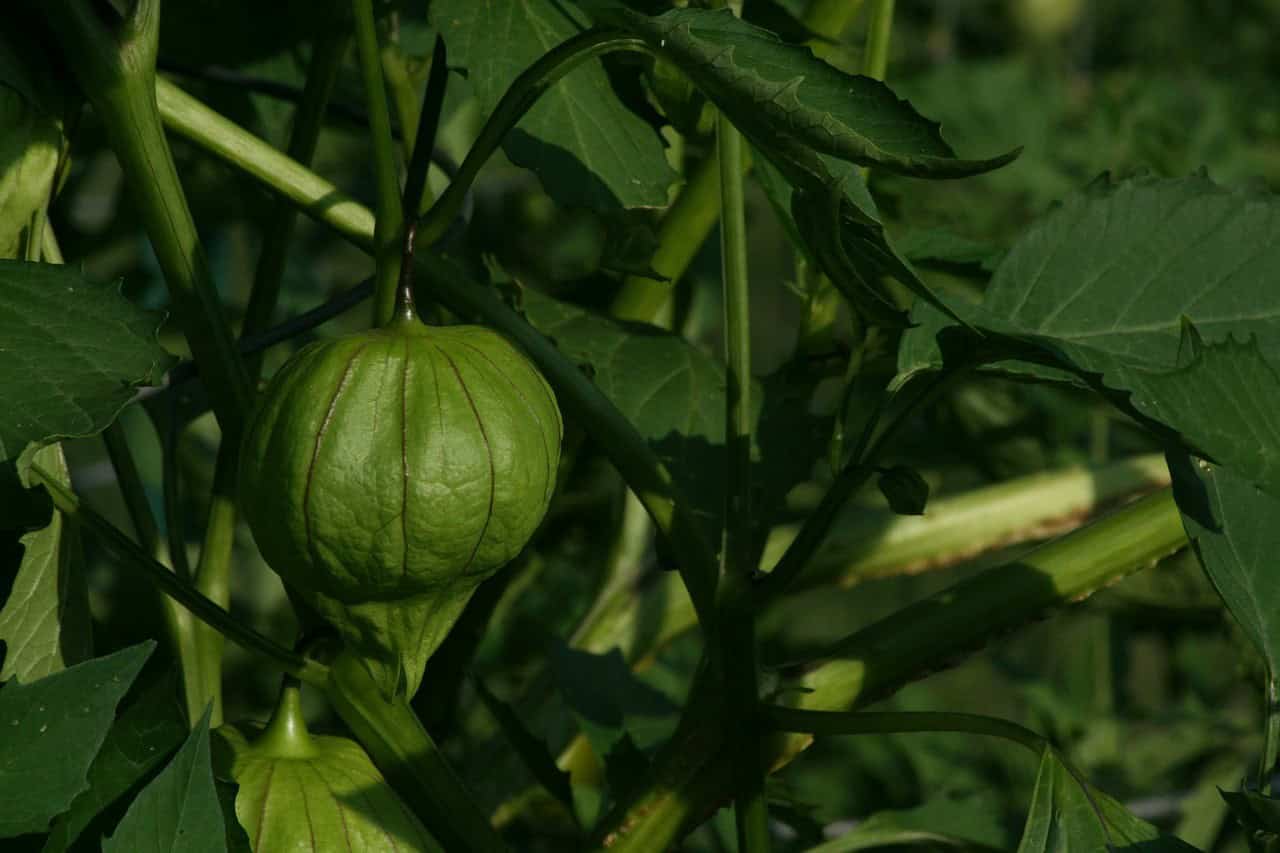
x=387 y=473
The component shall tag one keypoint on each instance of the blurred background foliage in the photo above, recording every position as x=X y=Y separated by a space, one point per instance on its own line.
x=1146 y=686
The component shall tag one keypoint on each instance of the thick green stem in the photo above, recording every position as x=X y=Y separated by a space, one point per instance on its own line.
x=315 y=196
x=131 y=556
x=412 y=762
x=390 y=220
x=736 y=637
x=876 y=661
x=522 y=94
x=116 y=71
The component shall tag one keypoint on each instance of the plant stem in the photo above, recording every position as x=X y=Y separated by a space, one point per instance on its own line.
x=818 y=723
x=415 y=184
x=877 y=660
x=308 y=121
x=736 y=635
x=390 y=221
x=522 y=94
x=689 y=220
x=410 y=759
x=314 y=195
x=133 y=557
x=118 y=77
x=850 y=479
x=213 y=569
x=879 y=32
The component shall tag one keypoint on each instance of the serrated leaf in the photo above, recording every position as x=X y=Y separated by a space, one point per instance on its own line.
x=586 y=147
x=45 y=624
x=50 y=732
x=774 y=91
x=1109 y=285
x=904 y=489
x=1232 y=526
x=179 y=810
x=71 y=354
x=146 y=733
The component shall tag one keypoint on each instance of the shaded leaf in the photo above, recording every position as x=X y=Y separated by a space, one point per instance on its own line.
x=71 y=354
x=45 y=624
x=966 y=822
x=585 y=146
x=146 y=733
x=179 y=810
x=532 y=750
x=605 y=696
x=50 y=732
x=1232 y=526
x=774 y=91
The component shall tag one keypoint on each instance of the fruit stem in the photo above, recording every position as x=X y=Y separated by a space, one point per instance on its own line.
x=286 y=734
x=406 y=311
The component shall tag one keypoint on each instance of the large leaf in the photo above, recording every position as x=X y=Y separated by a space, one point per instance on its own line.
x=147 y=732
x=179 y=810
x=587 y=148
x=72 y=354
x=1232 y=526
x=1063 y=819
x=45 y=623
x=777 y=92
x=29 y=147
x=1120 y=283
x=50 y=731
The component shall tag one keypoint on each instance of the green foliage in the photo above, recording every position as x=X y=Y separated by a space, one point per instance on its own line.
x=585 y=145
x=75 y=353
x=52 y=729
x=179 y=809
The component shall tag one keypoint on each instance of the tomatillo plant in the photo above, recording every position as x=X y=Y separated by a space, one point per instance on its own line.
x=590 y=531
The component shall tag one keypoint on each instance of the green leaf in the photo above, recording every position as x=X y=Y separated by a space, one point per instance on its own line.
x=179 y=810
x=45 y=623
x=1255 y=812
x=674 y=395
x=1063 y=817
x=967 y=822
x=71 y=354
x=1232 y=526
x=776 y=92
x=606 y=698
x=50 y=731
x=29 y=148
x=587 y=148
x=1119 y=283
x=905 y=490
x=147 y=732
